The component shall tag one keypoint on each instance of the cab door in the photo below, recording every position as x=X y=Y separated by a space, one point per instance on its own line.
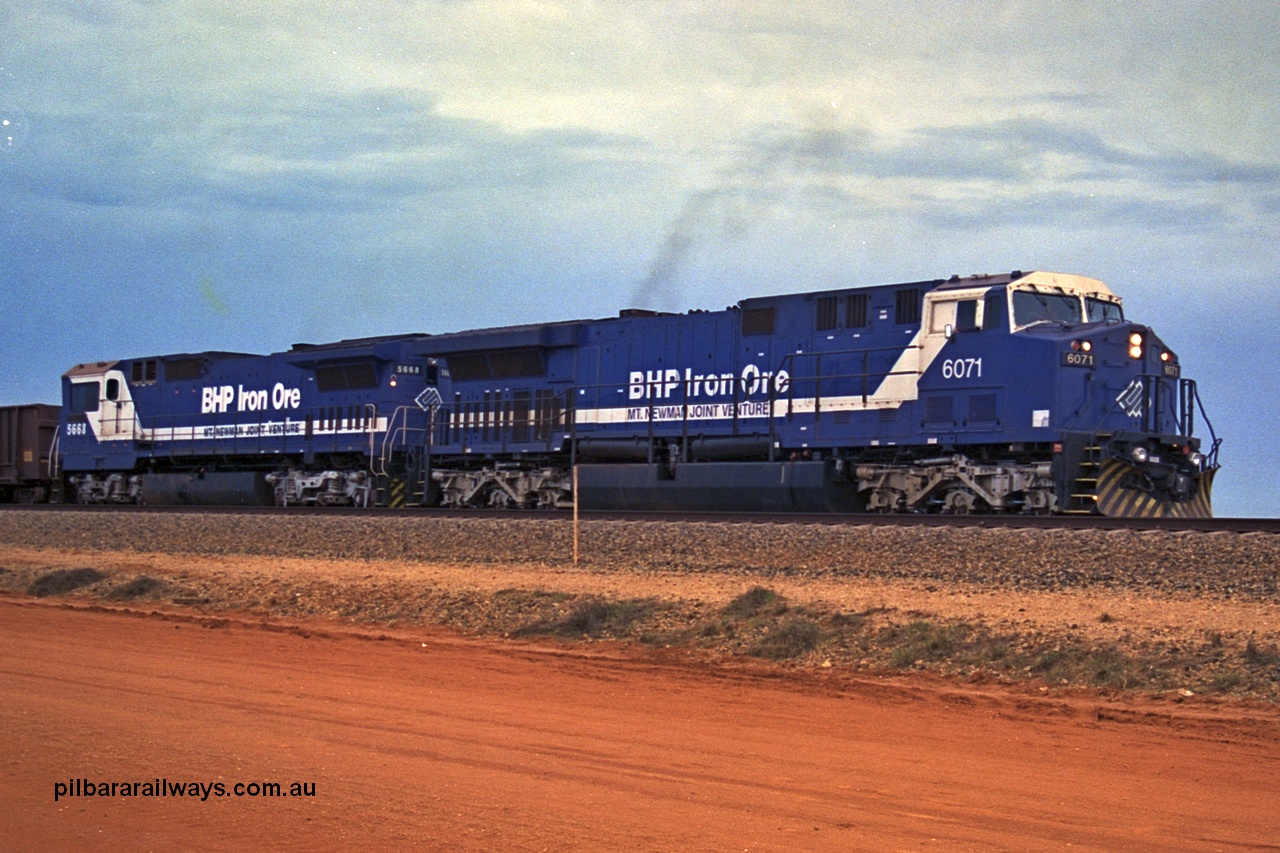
x=117 y=420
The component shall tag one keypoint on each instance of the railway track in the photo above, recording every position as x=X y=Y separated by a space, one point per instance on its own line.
x=1067 y=522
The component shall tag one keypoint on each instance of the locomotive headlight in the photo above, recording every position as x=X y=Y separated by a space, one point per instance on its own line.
x=1135 y=345
x=1139 y=455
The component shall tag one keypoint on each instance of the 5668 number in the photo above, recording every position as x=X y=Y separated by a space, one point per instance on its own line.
x=962 y=368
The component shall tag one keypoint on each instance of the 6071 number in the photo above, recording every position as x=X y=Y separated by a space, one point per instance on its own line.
x=962 y=368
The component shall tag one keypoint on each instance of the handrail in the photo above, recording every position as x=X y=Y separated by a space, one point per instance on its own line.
x=54 y=468
x=396 y=435
x=373 y=431
x=1211 y=457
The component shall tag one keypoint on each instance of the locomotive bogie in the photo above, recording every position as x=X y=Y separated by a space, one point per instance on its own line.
x=321 y=488
x=504 y=488
x=106 y=489
x=958 y=485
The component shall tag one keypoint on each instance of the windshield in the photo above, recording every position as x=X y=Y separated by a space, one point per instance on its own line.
x=1031 y=306
x=1102 y=311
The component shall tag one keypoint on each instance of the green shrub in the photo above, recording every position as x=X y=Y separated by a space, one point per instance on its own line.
x=139 y=586
x=755 y=601
x=923 y=640
x=1259 y=656
x=593 y=617
x=62 y=581
x=789 y=639
x=1225 y=682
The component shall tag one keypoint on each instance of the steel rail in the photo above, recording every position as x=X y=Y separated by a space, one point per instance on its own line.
x=993 y=520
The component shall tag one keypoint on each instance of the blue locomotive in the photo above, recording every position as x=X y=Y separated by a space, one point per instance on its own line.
x=1019 y=392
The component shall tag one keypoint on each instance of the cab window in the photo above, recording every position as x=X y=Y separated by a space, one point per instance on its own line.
x=993 y=311
x=1102 y=311
x=942 y=316
x=967 y=316
x=1031 y=306
x=83 y=397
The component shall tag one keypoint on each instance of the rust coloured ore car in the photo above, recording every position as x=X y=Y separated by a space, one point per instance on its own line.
x=26 y=447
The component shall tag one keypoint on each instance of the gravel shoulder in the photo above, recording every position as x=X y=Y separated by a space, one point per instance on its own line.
x=1171 y=614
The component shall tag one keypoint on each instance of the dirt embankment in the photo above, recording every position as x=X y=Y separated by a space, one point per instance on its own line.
x=1177 y=614
x=416 y=739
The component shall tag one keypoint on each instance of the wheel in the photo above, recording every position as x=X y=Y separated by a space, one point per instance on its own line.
x=959 y=502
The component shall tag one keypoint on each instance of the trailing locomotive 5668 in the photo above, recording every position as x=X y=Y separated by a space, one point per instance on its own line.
x=1025 y=392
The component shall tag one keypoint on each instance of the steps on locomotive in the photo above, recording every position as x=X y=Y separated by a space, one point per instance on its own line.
x=1083 y=498
x=406 y=486
x=398 y=492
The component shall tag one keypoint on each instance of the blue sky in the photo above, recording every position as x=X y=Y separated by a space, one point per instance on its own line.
x=183 y=176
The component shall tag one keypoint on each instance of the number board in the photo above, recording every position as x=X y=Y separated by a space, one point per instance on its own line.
x=1078 y=359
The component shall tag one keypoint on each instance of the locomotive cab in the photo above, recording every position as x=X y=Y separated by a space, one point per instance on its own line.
x=1127 y=447
x=1041 y=377
x=97 y=434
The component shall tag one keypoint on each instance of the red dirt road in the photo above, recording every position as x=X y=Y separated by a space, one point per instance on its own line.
x=424 y=741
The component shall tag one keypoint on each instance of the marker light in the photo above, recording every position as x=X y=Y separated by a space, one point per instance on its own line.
x=1081 y=346
x=1196 y=459
x=393 y=380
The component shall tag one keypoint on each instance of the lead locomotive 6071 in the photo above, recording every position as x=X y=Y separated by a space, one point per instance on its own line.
x=1021 y=392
